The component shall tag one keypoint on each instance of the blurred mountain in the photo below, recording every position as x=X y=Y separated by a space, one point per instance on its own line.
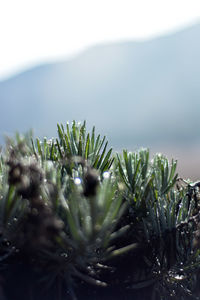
x=137 y=93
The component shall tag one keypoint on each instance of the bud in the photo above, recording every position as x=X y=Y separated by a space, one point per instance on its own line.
x=91 y=182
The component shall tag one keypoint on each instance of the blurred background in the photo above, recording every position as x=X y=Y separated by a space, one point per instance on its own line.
x=129 y=67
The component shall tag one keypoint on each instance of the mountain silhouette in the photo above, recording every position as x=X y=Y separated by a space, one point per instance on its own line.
x=137 y=93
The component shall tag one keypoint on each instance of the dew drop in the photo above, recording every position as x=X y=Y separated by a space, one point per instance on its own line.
x=77 y=181
x=106 y=175
x=65 y=255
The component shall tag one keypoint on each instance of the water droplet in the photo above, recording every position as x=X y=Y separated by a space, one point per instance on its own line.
x=49 y=142
x=77 y=181
x=179 y=277
x=65 y=255
x=106 y=175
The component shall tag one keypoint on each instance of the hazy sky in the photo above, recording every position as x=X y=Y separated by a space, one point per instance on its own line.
x=35 y=31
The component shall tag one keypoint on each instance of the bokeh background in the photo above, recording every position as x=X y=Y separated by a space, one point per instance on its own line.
x=131 y=68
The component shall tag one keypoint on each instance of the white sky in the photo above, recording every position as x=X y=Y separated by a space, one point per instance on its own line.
x=35 y=31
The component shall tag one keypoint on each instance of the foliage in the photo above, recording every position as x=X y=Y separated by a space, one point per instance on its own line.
x=75 y=213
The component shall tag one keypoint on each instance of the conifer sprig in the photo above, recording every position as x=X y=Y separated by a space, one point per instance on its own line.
x=73 y=213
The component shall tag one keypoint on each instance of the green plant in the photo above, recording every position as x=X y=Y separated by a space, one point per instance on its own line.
x=77 y=220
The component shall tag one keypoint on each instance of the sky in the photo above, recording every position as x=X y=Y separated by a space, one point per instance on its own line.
x=40 y=31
